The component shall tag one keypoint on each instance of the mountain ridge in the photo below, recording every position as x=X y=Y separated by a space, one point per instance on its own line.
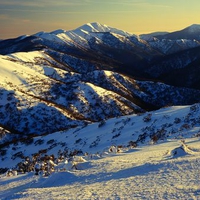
x=99 y=107
x=83 y=78
x=189 y=32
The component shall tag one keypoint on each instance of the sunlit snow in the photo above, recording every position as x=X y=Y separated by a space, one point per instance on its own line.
x=139 y=173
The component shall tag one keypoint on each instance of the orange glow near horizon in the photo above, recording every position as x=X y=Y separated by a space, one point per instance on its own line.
x=135 y=16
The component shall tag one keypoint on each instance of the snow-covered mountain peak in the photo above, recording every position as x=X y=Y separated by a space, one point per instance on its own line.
x=59 y=31
x=97 y=27
x=81 y=35
x=52 y=36
x=194 y=28
x=93 y=27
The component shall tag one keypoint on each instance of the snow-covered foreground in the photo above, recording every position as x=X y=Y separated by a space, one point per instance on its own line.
x=161 y=171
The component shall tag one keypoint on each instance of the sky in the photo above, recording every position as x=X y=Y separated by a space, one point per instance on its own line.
x=25 y=17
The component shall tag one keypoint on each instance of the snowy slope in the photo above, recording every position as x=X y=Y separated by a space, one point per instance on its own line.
x=143 y=152
x=33 y=85
x=37 y=83
x=148 y=128
x=168 y=46
x=176 y=41
x=83 y=76
x=95 y=46
x=73 y=93
x=140 y=173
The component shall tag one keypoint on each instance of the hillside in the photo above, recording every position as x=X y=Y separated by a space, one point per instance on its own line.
x=62 y=79
x=94 y=112
x=111 y=158
x=40 y=95
x=138 y=173
x=133 y=130
x=99 y=46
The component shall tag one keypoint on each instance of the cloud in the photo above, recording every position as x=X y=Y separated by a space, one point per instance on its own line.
x=64 y=6
x=42 y=6
x=46 y=11
x=43 y=3
x=141 y=3
x=24 y=4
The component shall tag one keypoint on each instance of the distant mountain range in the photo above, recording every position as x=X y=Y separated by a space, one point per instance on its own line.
x=62 y=79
